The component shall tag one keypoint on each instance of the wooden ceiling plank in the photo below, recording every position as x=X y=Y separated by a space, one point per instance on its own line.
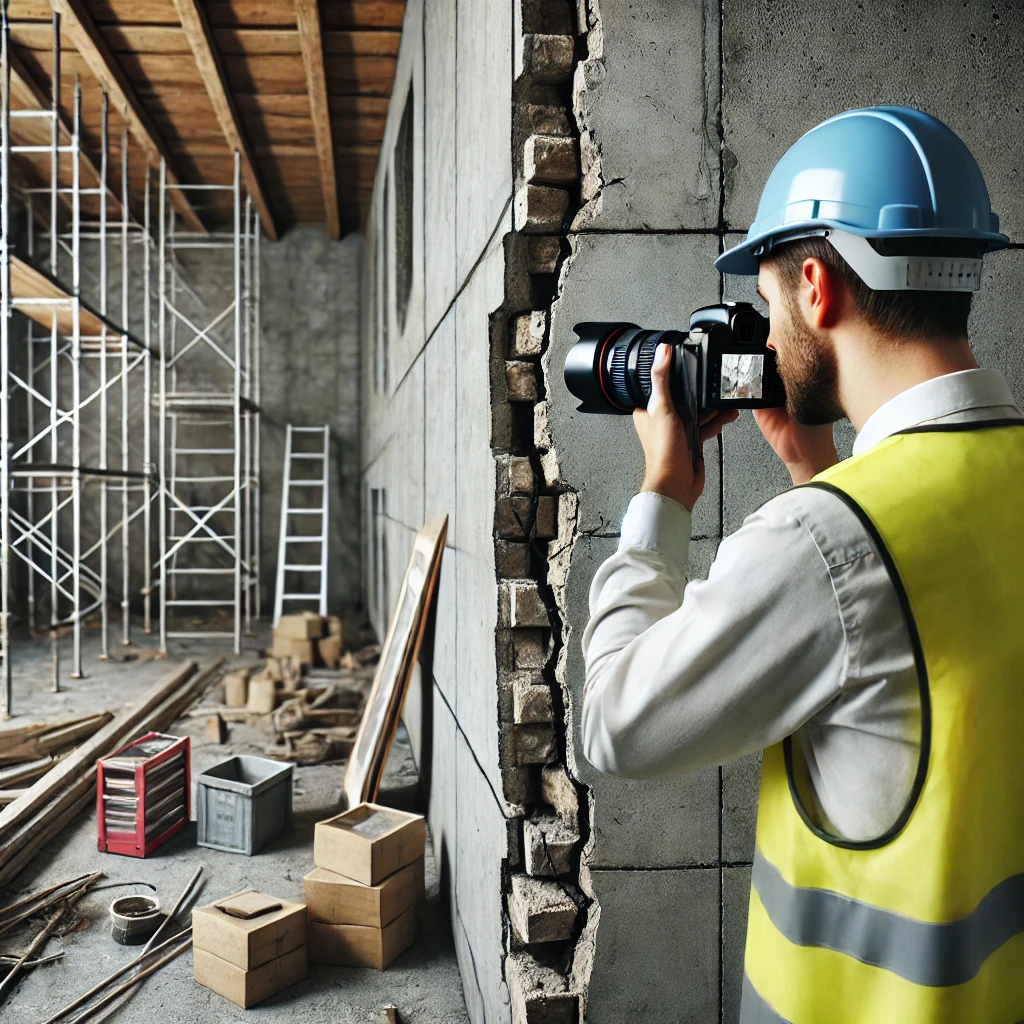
x=311 y=38
x=89 y=42
x=211 y=68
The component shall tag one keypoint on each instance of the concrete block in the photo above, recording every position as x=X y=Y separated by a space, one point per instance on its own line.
x=551 y=159
x=519 y=786
x=512 y=517
x=844 y=67
x=539 y=911
x=651 y=823
x=548 y=844
x=735 y=903
x=539 y=994
x=531 y=698
x=658 y=160
x=439 y=154
x=526 y=606
x=540 y=210
x=482 y=847
x=483 y=125
x=657 y=952
x=558 y=791
x=547 y=59
x=521 y=381
x=741 y=781
x=543 y=252
x=599 y=456
x=511 y=560
x=528 y=329
x=526 y=744
x=520 y=475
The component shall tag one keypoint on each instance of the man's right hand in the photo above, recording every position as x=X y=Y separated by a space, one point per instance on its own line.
x=806 y=451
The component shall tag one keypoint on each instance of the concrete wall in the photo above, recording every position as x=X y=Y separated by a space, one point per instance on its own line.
x=684 y=106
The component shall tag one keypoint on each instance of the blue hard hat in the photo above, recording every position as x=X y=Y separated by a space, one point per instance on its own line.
x=877 y=172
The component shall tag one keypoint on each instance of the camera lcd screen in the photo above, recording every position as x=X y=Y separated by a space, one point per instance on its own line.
x=742 y=376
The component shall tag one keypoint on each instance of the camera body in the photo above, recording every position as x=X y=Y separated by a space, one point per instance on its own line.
x=721 y=362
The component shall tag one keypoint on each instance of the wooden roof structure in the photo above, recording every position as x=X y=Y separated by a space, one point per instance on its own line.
x=299 y=88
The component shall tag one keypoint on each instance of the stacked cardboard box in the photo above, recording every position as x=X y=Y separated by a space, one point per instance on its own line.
x=310 y=638
x=369 y=878
x=249 y=946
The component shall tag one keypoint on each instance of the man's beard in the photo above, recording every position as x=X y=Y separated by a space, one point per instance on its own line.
x=811 y=377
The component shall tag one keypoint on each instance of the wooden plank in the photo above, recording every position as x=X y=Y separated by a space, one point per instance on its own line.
x=307 y=13
x=49 y=739
x=29 y=283
x=211 y=68
x=108 y=72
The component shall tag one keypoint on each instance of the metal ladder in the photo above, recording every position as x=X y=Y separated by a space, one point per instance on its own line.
x=316 y=489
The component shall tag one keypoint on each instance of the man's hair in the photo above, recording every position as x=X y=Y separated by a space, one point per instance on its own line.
x=931 y=316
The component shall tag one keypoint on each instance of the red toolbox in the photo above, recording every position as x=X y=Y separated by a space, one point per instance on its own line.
x=143 y=794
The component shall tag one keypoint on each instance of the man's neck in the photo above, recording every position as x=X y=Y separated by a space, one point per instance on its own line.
x=874 y=369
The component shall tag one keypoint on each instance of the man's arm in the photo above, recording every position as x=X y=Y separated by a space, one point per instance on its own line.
x=682 y=680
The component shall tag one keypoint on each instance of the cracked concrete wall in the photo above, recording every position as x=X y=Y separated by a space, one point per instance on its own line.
x=683 y=107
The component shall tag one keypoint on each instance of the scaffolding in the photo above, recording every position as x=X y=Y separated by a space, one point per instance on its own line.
x=79 y=386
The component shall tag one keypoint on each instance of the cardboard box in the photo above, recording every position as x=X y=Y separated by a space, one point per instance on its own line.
x=289 y=647
x=249 y=942
x=334 y=899
x=357 y=945
x=262 y=695
x=303 y=626
x=369 y=842
x=236 y=690
x=247 y=988
x=329 y=649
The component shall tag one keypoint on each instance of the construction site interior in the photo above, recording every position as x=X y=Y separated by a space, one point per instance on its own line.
x=299 y=520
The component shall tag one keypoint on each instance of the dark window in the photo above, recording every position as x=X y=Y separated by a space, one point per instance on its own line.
x=403 y=171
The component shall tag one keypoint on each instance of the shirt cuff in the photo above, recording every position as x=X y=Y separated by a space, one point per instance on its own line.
x=656 y=523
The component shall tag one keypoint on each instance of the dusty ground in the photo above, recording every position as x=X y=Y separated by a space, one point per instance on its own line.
x=424 y=982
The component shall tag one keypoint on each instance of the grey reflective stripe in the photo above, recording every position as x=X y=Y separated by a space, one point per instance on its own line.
x=921 y=952
x=754 y=1010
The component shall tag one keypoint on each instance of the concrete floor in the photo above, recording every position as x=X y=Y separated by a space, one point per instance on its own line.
x=423 y=982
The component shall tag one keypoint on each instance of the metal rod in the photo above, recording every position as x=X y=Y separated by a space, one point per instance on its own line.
x=6 y=695
x=125 y=518
x=76 y=388
x=147 y=423
x=162 y=443
x=236 y=411
x=104 y=564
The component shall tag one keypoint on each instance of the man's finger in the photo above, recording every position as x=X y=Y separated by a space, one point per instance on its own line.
x=659 y=379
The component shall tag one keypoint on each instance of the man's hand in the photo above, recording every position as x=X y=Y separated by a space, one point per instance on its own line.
x=806 y=451
x=665 y=442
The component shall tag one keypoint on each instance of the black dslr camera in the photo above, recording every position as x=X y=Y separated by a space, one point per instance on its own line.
x=722 y=362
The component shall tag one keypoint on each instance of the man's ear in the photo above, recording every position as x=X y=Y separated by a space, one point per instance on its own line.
x=821 y=293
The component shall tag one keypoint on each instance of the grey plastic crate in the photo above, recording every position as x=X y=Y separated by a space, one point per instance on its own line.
x=243 y=803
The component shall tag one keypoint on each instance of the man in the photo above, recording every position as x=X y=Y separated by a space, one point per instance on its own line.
x=863 y=629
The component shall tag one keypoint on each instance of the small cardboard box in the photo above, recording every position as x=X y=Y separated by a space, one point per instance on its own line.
x=357 y=945
x=290 y=647
x=249 y=942
x=369 y=842
x=262 y=696
x=303 y=626
x=236 y=689
x=247 y=988
x=329 y=649
x=334 y=899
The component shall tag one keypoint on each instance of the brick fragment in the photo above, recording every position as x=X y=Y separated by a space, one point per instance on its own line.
x=557 y=790
x=548 y=844
x=526 y=606
x=540 y=911
x=548 y=59
x=511 y=560
x=531 y=698
x=519 y=785
x=528 y=330
x=538 y=994
x=521 y=381
x=547 y=119
x=529 y=648
x=540 y=210
x=512 y=517
x=520 y=475
x=542 y=253
x=550 y=158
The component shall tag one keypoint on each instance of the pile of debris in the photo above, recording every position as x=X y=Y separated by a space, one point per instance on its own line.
x=309 y=693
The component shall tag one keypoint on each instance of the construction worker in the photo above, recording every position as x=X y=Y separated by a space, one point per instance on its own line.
x=863 y=628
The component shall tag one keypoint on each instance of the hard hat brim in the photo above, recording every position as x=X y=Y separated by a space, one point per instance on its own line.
x=744 y=260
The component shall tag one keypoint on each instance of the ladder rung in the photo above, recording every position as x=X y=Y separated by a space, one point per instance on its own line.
x=308 y=430
x=204 y=479
x=300 y=597
x=204 y=540
x=203 y=451
x=307 y=455
x=299 y=539
x=302 y=483
x=196 y=603
x=292 y=567
x=303 y=511
x=201 y=572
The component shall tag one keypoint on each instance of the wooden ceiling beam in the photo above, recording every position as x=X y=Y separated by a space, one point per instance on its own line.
x=311 y=40
x=92 y=47
x=211 y=69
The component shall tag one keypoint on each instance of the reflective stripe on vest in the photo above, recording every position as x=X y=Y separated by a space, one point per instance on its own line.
x=926 y=924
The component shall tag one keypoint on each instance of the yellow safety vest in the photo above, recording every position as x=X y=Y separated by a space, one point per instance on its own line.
x=926 y=923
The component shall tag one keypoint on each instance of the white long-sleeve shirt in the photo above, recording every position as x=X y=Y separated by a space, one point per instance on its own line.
x=796 y=631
